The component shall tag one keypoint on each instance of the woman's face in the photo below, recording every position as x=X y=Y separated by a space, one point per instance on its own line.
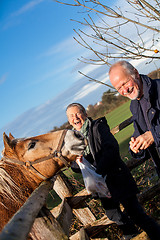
x=76 y=117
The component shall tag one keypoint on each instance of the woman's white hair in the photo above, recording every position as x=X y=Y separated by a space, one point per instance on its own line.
x=81 y=108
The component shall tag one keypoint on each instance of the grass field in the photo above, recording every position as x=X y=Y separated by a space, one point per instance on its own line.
x=123 y=137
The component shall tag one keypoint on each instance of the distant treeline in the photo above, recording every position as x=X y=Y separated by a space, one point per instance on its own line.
x=109 y=101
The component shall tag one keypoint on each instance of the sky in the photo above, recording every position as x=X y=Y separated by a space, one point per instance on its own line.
x=38 y=54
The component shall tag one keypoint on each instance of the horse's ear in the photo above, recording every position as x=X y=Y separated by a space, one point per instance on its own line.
x=11 y=136
x=8 y=147
x=7 y=141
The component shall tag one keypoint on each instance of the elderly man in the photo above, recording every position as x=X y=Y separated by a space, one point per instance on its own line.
x=145 y=107
x=103 y=153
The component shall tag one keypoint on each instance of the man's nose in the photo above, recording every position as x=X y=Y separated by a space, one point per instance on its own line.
x=125 y=90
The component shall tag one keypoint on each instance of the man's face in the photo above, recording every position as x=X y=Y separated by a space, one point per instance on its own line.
x=124 y=83
x=76 y=117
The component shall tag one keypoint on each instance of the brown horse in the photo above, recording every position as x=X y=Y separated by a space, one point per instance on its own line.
x=27 y=162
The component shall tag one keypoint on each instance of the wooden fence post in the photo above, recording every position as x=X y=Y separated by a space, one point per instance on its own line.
x=83 y=235
x=47 y=227
x=84 y=214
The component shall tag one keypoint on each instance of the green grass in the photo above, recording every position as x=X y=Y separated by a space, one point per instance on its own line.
x=118 y=115
x=123 y=137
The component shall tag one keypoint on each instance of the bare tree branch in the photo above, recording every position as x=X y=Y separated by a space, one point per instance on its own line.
x=105 y=34
x=97 y=81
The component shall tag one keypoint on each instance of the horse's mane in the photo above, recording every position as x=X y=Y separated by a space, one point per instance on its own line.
x=8 y=187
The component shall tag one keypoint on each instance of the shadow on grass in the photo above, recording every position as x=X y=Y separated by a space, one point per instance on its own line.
x=124 y=149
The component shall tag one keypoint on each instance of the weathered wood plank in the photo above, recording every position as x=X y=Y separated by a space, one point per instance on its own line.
x=98 y=225
x=122 y=125
x=84 y=215
x=62 y=186
x=83 y=235
x=78 y=198
x=47 y=227
x=94 y=228
x=65 y=216
x=142 y=236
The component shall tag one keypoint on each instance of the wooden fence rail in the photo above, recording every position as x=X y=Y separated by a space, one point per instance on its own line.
x=55 y=224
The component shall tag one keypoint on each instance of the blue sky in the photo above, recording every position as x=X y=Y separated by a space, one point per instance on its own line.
x=38 y=54
x=38 y=57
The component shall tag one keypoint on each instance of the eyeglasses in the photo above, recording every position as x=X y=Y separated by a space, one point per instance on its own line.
x=119 y=89
x=78 y=114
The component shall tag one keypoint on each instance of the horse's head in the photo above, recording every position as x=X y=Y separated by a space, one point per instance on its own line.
x=46 y=152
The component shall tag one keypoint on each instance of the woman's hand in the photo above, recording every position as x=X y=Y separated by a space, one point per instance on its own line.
x=79 y=159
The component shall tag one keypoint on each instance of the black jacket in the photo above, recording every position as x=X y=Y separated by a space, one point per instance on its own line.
x=151 y=90
x=105 y=152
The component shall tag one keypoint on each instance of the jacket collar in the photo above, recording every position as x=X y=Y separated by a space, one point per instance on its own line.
x=147 y=86
x=147 y=92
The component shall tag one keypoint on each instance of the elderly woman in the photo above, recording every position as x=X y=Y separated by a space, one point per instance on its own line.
x=103 y=153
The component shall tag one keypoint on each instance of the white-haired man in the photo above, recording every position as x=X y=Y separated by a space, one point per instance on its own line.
x=145 y=107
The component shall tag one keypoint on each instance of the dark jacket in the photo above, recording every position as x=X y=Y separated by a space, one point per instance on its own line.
x=105 y=151
x=151 y=90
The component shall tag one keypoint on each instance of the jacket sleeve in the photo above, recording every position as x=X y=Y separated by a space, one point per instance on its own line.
x=143 y=154
x=107 y=149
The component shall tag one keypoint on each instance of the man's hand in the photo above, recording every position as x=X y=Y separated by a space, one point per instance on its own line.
x=141 y=142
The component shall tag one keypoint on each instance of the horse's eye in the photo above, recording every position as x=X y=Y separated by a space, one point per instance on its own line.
x=31 y=145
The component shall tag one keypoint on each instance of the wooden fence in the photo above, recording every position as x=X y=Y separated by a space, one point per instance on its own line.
x=34 y=221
